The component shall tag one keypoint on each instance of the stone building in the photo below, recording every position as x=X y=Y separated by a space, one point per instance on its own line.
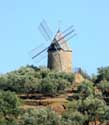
x=59 y=54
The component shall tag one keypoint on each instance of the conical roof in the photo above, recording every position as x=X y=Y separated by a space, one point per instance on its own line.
x=60 y=42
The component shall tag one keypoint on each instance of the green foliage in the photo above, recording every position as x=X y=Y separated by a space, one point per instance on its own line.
x=106 y=116
x=66 y=76
x=89 y=102
x=102 y=75
x=92 y=107
x=42 y=116
x=87 y=105
x=104 y=87
x=86 y=89
x=73 y=118
x=9 y=108
x=8 y=122
x=31 y=79
x=4 y=82
x=52 y=87
x=48 y=87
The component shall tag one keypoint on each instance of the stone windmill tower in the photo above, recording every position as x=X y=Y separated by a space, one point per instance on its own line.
x=59 y=53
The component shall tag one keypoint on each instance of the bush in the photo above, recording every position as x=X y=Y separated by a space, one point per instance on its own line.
x=48 y=87
x=31 y=79
x=104 y=87
x=42 y=116
x=102 y=74
x=9 y=107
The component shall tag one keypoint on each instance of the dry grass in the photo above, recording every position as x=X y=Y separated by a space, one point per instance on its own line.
x=44 y=102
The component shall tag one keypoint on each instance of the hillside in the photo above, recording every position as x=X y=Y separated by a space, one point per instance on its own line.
x=40 y=94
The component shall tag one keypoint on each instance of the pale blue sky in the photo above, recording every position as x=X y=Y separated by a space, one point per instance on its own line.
x=19 y=20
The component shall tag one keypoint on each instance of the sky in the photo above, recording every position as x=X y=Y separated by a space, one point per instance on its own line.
x=19 y=33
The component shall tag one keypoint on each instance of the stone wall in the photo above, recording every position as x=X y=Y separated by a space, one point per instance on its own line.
x=60 y=60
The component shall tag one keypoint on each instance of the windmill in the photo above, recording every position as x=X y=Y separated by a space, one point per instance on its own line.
x=59 y=53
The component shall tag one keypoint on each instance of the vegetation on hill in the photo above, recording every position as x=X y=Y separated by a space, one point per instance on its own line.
x=88 y=104
x=31 y=79
x=9 y=108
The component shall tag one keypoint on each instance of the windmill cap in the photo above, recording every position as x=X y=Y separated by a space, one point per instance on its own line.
x=62 y=43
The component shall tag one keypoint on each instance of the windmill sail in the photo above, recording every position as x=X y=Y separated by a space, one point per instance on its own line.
x=55 y=42
x=59 y=53
x=36 y=50
x=45 y=31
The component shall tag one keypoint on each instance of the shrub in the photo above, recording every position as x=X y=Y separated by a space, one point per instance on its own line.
x=48 y=87
x=9 y=107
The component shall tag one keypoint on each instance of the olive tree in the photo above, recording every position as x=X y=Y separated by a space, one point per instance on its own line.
x=9 y=107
